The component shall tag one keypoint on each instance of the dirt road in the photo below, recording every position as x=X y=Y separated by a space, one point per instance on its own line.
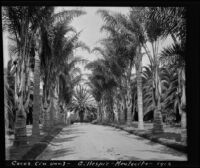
x=83 y=141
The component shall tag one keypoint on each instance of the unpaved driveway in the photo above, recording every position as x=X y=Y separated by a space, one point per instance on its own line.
x=83 y=141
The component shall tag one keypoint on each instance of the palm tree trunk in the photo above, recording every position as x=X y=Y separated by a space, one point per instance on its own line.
x=98 y=112
x=118 y=104
x=158 y=123
x=36 y=97
x=182 y=105
x=133 y=107
x=182 y=96
x=101 y=111
x=111 y=112
x=104 y=114
x=107 y=109
x=139 y=92
x=122 y=110
x=46 y=110
x=55 y=102
x=129 y=104
x=118 y=110
x=52 y=110
x=115 y=109
x=20 y=123
x=6 y=120
x=183 y=108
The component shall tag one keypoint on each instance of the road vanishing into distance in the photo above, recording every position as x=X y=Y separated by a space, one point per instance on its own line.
x=84 y=141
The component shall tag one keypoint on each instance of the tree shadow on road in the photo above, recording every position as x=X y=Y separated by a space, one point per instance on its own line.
x=71 y=131
x=62 y=153
x=165 y=150
x=162 y=150
x=62 y=140
x=129 y=158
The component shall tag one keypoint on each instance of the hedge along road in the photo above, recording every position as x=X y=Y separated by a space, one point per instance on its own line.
x=83 y=141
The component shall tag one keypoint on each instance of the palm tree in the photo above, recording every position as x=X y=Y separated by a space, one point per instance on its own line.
x=134 y=96
x=174 y=55
x=17 y=22
x=68 y=79
x=105 y=82
x=96 y=91
x=164 y=25
x=36 y=96
x=139 y=91
x=131 y=35
x=6 y=112
x=10 y=94
x=140 y=29
x=21 y=23
x=168 y=86
x=175 y=27
x=81 y=101
x=6 y=107
x=147 y=29
x=54 y=46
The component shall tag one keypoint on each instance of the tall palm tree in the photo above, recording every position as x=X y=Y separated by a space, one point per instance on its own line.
x=55 y=50
x=129 y=30
x=141 y=30
x=162 y=23
x=139 y=91
x=69 y=78
x=36 y=96
x=28 y=20
x=101 y=73
x=175 y=27
x=21 y=23
x=9 y=74
x=6 y=107
x=134 y=96
x=96 y=91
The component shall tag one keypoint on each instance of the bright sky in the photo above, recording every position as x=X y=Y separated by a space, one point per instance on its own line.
x=90 y=25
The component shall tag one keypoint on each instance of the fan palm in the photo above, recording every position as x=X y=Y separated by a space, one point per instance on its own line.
x=82 y=100
x=168 y=81
x=174 y=55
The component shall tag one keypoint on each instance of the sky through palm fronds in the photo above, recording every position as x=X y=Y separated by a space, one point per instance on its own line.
x=89 y=25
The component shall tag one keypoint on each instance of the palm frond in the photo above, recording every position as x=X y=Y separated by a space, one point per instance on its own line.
x=173 y=54
x=67 y=15
x=107 y=17
x=82 y=45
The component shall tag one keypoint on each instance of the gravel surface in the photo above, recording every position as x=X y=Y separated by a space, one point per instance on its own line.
x=82 y=141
